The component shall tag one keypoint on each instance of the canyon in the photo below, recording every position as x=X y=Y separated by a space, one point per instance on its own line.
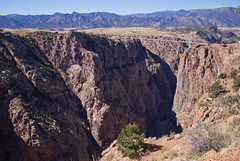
x=66 y=96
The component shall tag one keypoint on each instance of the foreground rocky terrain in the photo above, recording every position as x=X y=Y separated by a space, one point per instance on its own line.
x=177 y=147
x=67 y=96
x=197 y=69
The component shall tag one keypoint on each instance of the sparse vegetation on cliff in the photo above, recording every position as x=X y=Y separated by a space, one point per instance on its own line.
x=233 y=73
x=236 y=84
x=222 y=75
x=215 y=89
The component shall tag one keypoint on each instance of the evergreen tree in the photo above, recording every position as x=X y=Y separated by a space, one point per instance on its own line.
x=131 y=141
x=215 y=89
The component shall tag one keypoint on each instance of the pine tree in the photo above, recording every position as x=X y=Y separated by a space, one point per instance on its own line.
x=131 y=141
x=215 y=89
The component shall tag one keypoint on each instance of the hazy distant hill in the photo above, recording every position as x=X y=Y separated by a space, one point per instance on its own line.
x=6 y=22
x=220 y=17
x=162 y=14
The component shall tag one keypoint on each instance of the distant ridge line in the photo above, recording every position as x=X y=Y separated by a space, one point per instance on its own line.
x=218 y=17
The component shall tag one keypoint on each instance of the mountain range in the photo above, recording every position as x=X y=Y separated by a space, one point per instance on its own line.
x=219 y=17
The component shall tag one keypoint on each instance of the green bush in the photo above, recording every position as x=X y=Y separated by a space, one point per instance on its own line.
x=222 y=75
x=236 y=84
x=215 y=89
x=232 y=99
x=233 y=74
x=131 y=141
x=202 y=104
x=164 y=157
x=232 y=42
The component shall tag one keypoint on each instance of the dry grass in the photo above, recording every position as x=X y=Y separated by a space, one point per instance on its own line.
x=131 y=31
x=21 y=32
x=233 y=28
x=204 y=138
x=24 y=32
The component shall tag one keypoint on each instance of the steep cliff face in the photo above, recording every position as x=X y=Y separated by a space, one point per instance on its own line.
x=196 y=69
x=63 y=95
x=170 y=52
x=40 y=118
x=117 y=83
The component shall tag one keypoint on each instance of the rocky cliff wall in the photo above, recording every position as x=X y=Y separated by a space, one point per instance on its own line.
x=170 y=52
x=196 y=69
x=40 y=118
x=116 y=82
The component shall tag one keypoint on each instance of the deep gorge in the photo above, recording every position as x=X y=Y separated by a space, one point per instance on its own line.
x=67 y=96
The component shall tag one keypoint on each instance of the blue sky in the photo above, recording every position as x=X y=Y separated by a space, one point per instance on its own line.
x=121 y=7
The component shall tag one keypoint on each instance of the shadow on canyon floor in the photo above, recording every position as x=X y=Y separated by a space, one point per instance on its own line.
x=153 y=147
x=165 y=121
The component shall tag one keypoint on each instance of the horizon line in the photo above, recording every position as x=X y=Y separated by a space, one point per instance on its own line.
x=48 y=14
